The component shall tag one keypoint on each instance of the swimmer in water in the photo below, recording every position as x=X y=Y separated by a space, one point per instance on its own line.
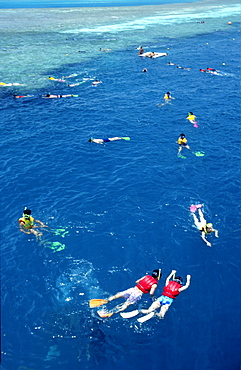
x=141 y=50
x=182 y=142
x=56 y=79
x=107 y=140
x=202 y=225
x=167 y=99
x=146 y=284
x=188 y=69
x=22 y=96
x=191 y=117
x=96 y=82
x=52 y=96
x=11 y=84
x=27 y=224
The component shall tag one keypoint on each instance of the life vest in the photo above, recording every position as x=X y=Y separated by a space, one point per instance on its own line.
x=191 y=117
x=182 y=141
x=167 y=97
x=204 y=228
x=172 y=289
x=146 y=283
x=27 y=223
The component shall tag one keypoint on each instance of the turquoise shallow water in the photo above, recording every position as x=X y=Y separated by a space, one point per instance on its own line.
x=125 y=205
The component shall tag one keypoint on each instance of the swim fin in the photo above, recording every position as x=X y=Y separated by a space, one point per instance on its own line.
x=146 y=317
x=126 y=138
x=104 y=313
x=128 y=315
x=199 y=154
x=97 y=302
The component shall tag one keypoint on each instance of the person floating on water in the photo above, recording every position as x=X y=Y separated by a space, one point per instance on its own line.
x=182 y=142
x=167 y=99
x=56 y=79
x=171 y=290
x=188 y=69
x=141 y=50
x=210 y=70
x=96 y=82
x=144 y=70
x=11 y=84
x=201 y=224
x=22 y=96
x=147 y=284
x=107 y=140
x=192 y=118
x=27 y=224
x=52 y=96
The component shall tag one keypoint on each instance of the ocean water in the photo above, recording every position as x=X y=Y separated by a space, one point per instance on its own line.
x=124 y=206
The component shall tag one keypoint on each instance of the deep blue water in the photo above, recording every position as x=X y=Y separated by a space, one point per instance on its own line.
x=82 y=3
x=125 y=205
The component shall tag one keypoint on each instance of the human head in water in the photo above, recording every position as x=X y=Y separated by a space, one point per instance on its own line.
x=209 y=226
x=178 y=279
x=26 y=212
x=156 y=274
x=190 y=113
x=182 y=135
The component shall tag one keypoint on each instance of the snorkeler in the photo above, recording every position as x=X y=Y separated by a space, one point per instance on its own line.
x=22 y=96
x=141 y=50
x=182 y=142
x=11 y=84
x=171 y=290
x=147 y=284
x=188 y=69
x=52 y=96
x=202 y=225
x=27 y=224
x=96 y=82
x=56 y=79
x=192 y=118
x=107 y=140
x=167 y=99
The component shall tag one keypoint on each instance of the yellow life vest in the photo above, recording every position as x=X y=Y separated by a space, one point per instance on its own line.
x=167 y=97
x=191 y=117
x=27 y=223
x=204 y=228
x=182 y=141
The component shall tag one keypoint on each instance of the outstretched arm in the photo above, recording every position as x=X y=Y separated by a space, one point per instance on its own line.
x=216 y=233
x=186 y=285
x=205 y=240
x=41 y=223
x=172 y=274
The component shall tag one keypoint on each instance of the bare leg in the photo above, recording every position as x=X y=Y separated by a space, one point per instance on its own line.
x=202 y=219
x=163 y=310
x=196 y=220
x=37 y=233
x=115 y=138
x=153 y=307
x=117 y=295
x=121 y=307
